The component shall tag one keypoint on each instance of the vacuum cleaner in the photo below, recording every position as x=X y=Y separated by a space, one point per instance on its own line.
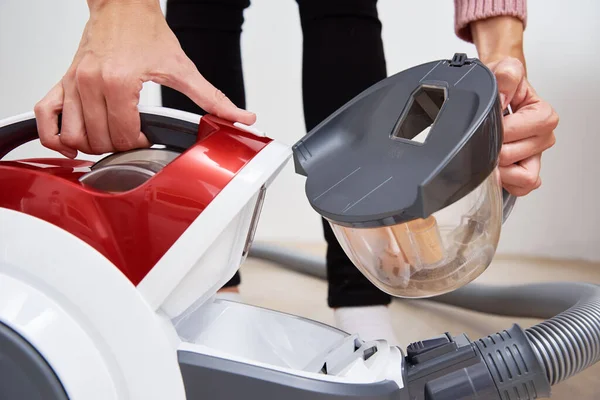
x=109 y=269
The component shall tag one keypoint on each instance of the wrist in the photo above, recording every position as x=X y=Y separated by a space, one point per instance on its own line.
x=498 y=37
x=490 y=57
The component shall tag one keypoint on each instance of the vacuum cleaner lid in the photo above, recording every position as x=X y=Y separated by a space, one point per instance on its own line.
x=406 y=147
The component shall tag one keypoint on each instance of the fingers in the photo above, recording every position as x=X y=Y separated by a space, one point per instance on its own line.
x=510 y=78
x=187 y=80
x=99 y=111
x=99 y=97
x=89 y=85
x=122 y=96
x=514 y=152
x=46 y=115
x=538 y=119
x=528 y=132
x=519 y=191
x=520 y=179
x=72 y=131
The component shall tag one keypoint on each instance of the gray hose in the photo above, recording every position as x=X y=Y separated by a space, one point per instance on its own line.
x=294 y=260
x=567 y=342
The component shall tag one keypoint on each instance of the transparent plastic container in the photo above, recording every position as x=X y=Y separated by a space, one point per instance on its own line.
x=120 y=172
x=431 y=256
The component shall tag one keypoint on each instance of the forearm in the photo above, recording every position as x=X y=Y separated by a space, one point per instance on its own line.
x=498 y=37
x=495 y=27
x=94 y=5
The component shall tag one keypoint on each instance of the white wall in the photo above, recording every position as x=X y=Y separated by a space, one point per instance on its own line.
x=38 y=39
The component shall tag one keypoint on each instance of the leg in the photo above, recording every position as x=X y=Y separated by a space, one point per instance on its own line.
x=342 y=56
x=209 y=32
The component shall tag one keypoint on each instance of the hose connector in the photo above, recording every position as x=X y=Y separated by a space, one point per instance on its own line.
x=501 y=366
x=514 y=366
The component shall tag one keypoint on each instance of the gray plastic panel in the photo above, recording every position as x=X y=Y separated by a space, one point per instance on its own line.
x=207 y=377
x=24 y=374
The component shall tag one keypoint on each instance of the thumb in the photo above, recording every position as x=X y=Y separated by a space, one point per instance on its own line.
x=188 y=80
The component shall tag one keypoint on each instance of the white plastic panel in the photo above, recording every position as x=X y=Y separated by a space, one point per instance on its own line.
x=209 y=252
x=72 y=354
x=258 y=334
x=92 y=298
x=216 y=266
x=282 y=342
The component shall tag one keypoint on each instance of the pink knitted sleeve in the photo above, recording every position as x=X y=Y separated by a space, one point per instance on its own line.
x=467 y=11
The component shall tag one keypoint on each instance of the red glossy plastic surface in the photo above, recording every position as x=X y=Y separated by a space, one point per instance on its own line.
x=132 y=229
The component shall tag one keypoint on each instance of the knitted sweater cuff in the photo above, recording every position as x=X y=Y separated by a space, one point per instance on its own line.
x=467 y=11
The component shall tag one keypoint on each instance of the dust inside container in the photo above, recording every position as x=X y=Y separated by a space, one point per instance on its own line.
x=430 y=256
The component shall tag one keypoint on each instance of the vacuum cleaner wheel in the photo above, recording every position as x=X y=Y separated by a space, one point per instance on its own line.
x=25 y=373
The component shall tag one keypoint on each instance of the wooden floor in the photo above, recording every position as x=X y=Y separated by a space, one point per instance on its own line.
x=270 y=286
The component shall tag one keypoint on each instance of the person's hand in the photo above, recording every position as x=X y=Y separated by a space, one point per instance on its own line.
x=528 y=132
x=125 y=43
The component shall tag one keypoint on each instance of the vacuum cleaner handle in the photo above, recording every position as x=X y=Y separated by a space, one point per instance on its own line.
x=174 y=129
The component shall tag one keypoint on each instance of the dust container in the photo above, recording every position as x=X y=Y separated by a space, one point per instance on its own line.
x=431 y=256
x=407 y=175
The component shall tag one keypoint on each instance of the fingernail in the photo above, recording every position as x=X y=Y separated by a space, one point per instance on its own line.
x=251 y=116
x=69 y=154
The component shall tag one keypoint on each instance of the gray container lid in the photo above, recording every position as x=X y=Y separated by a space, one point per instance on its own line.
x=365 y=168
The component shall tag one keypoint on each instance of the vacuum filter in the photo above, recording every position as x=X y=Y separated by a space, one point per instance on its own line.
x=406 y=174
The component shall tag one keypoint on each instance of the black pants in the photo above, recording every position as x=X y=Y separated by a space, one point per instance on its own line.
x=342 y=56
